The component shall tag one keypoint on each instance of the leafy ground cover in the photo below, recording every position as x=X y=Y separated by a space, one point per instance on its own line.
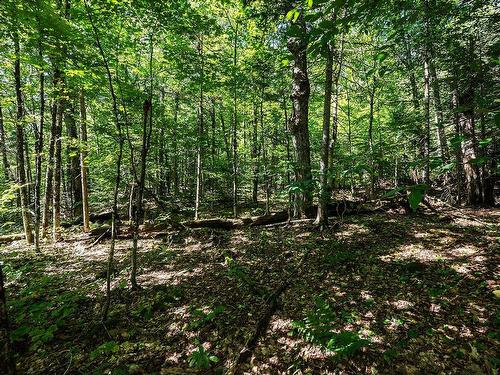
x=377 y=294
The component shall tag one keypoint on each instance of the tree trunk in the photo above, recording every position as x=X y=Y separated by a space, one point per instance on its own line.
x=38 y=162
x=255 y=156
x=322 y=214
x=175 y=158
x=200 y=135
x=83 y=162
x=114 y=220
x=370 y=137
x=235 y=125
x=50 y=167
x=3 y=149
x=74 y=176
x=56 y=195
x=265 y=160
x=21 y=171
x=469 y=147
x=299 y=123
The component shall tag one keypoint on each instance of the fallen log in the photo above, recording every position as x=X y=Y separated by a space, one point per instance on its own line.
x=270 y=308
x=11 y=237
x=273 y=218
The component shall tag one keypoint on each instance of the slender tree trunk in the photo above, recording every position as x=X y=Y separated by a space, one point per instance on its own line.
x=3 y=149
x=200 y=135
x=147 y=129
x=21 y=171
x=265 y=159
x=50 y=168
x=235 y=126
x=114 y=220
x=83 y=163
x=349 y=140
x=175 y=158
x=370 y=138
x=299 y=123
x=322 y=214
x=439 y=117
x=56 y=196
x=335 y=117
x=38 y=162
x=74 y=170
x=255 y=156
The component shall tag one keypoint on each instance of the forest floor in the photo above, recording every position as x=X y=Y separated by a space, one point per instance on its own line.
x=385 y=293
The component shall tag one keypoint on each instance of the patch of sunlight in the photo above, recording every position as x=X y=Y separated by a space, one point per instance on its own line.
x=465 y=332
x=402 y=304
x=311 y=352
x=461 y=251
x=463 y=268
x=413 y=252
x=352 y=230
x=281 y=324
x=366 y=296
x=422 y=235
x=435 y=308
x=164 y=277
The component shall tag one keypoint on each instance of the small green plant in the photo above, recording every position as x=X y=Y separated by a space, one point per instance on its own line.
x=104 y=349
x=41 y=310
x=319 y=327
x=201 y=359
x=202 y=319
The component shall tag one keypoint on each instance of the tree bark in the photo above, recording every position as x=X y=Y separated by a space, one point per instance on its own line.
x=3 y=149
x=38 y=161
x=83 y=163
x=299 y=123
x=322 y=214
x=200 y=133
x=50 y=166
x=21 y=171
x=255 y=156
x=56 y=195
x=235 y=125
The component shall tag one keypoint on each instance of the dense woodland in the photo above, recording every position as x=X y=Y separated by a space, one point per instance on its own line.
x=258 y=187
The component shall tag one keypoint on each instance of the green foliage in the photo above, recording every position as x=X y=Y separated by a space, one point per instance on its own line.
x=201 y=359
x=202 y=319
x=105 y=349
x=242 y=274
x=41 y=310
x=321 y=327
